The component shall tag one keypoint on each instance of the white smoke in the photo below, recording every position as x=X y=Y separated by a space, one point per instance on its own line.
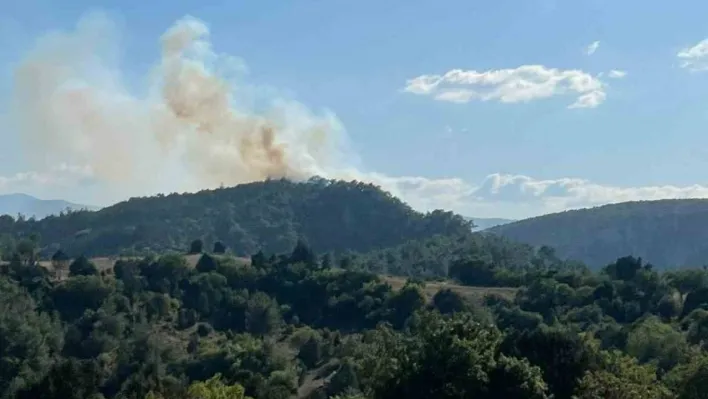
x=193 y=126
x=71 y=106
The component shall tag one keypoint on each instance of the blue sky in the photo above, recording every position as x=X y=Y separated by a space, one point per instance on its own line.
x=639 y=136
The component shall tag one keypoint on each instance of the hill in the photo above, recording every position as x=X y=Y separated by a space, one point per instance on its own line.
x=269 y=216
x=29 y=206
x=666 y=233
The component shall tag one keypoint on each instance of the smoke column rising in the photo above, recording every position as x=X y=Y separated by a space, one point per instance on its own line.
x=71 y=106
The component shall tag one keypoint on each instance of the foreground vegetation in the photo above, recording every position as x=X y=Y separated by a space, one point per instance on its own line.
x=397 y=304
x=309 y=326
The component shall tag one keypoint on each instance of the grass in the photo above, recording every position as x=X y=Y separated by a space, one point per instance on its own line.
x=431 y=288
x=475 y=293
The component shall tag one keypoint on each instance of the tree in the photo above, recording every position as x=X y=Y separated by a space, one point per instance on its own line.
x=196 y=247
x=60 y=263
x=219 y=248
x=206 y=264
x=651 y=340
x=215 y=388
x=444 y=357
x=67 y=379
x=447 y=301
x=28 y=339
x=311 y=352
x=303 y=253
x=690 y=380
x=562 y=355
x=27 y=249
x=621 y=377
x=81 y=266
x=262 y=315
x=345 y=379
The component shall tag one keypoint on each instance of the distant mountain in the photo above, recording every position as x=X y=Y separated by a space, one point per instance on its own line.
x=486 y=223
x=666 y=233
x=14 y=204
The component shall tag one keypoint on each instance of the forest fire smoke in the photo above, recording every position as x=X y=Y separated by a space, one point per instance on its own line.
x=71 y=105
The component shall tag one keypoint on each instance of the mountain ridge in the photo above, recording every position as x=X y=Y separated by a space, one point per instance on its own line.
x=270 y=216
x=667 y=233
x=14 y=204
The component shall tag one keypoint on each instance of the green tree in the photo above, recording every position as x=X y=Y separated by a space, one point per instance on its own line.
x=28 y=340
x=196 y=247
x=653 y=340
x=443 y=358
x=215 y=388
x=81 y=266
x=447 y=301
x=311 y=352
x=219 y=248
x=621 y=377
x=262 y=315
x=563 y=356
x=206 y=264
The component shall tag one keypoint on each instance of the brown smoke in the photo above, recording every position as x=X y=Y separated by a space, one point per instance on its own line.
x=71 y=106
x=180 y=132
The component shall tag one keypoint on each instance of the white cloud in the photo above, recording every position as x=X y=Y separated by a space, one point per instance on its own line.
x=522 y=84
x=592 y=48
x=695 y=58
x=503 y=195
x=519 y=196
x=62 y=175
x=617 y=74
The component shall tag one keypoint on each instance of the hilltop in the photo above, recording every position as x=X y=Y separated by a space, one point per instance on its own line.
x=666 y=233
x=269 y=216
x=29 y=206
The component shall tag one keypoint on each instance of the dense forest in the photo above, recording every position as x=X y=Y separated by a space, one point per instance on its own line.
x=670 y=233
x=269 y=216
x=308 y=326
x=430 y=310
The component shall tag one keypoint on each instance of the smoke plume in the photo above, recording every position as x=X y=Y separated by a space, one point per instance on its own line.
x=183 y=132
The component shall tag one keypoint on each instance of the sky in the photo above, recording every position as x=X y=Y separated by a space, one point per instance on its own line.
x=490 y=109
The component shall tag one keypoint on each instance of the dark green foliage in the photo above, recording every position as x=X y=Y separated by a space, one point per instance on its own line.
x=60 y=256
x=303 y=253
x=345 y=379
x=444 y=358
x=311 y=352
x=447 y=301
x=562 y=356
x=298 y=325
x=206 y=264
x=29 y=339
x=67 y=379
x=269 y=215
x=81 y=266
x=196 y=247
x=669 y=233
x=219 y=248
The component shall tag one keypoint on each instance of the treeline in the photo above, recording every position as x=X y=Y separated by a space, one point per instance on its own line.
x=296 y=325
x=668 y=232
x=268 y=216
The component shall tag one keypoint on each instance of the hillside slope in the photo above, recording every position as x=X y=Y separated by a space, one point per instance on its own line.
x=487 y=223
x=269 y=216
x=29 y=206
x=666 y=233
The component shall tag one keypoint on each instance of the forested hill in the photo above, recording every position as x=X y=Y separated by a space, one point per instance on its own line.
x=269 y=216
x=666 y=233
